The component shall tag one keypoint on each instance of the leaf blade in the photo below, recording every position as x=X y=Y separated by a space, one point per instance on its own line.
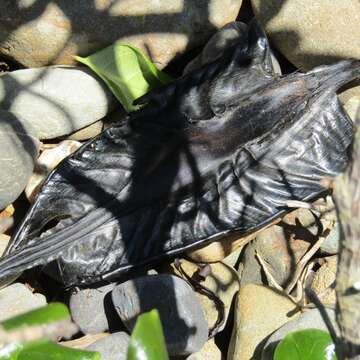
x=308 y=344
x=127 y=72
x=52 y=312
x=147 y=340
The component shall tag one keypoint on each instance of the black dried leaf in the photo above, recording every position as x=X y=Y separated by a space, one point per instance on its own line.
x=221 y=149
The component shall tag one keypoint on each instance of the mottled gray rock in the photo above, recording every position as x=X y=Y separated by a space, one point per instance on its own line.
x=281 y=246
x=331 y=243
x=309 y=319
x=227 y=36
x=89 y=309
x=183 y=320
x=37 y=33
x=18 y=151
x=55 y=100
x=112 y=347
x=17 y=299
x=249 y=268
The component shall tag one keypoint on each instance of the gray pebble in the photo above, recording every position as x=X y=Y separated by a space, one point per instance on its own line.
x=112 y=347
x=89 y=309
x=182 y=318
x=17 y=299
x=55 y=100
x=331 y=244
x=18 y=151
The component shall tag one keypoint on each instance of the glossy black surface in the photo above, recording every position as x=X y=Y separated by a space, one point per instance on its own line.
x=221 y=149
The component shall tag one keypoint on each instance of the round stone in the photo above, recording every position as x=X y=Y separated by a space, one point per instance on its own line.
x=184 y=323
x=318 y=32
x=37 y=33
x=18 y=151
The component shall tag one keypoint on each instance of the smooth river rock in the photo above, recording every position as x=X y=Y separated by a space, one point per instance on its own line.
x=259 y=311
x=312 y=33
x=38 y=33
x=18 y=151
x=90 y=309
x=112 y=347
x=17 y=299
x=55 y=100
x=280 y=246
x=183 y=320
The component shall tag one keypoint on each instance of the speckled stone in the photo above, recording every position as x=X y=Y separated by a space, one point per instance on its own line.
x=89 y=309
x=183 y=320
x=55 y=100
x=18 y=151
x=36 y=33
x=318 y=32
x=17 y=299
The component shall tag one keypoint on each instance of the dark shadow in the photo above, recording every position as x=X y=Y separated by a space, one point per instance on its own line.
x=113 y=319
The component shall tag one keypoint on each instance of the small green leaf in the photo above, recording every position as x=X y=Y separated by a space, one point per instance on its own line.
x=127 y=71
x=51 y=351
x=45 y=350
x=52 y=312
x=309 y=344
x=147 y=340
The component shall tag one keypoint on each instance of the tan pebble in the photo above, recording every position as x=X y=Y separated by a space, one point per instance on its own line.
x=209 y=352
x=259 y=311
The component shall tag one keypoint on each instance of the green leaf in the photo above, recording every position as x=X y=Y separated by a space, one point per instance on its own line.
x=309 y=344
x=127 y=71
x=51 y=351
x=52 y=312
x=45 y=350
x=40 y=349
x=147 y=340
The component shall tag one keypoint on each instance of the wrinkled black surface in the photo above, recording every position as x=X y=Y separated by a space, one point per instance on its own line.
x=219 y=150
